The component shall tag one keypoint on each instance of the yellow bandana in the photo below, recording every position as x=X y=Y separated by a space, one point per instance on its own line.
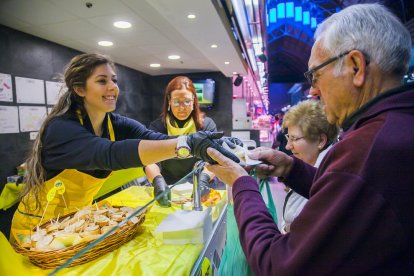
x=174 y=130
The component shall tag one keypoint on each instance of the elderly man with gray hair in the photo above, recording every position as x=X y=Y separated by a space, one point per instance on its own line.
x=360 y=215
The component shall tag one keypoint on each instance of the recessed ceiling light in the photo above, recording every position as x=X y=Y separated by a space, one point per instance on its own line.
x=122 y=24
x=227 y=62
x=191 y=16
x=234 y=73
x=105 y=43
x=173 y=57
x=213 y=46
x=155 y=65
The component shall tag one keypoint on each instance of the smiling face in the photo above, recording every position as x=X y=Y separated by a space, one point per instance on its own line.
x=101 y=90
x=181 y=104
x=303 y=148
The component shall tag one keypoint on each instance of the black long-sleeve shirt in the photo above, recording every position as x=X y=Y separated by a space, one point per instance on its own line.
x=67 y=144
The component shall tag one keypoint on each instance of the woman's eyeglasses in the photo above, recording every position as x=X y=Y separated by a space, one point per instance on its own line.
x=293 y=139
x=185 y=103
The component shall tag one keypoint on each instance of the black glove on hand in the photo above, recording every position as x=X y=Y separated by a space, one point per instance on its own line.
x=201 y=140
x=231 y=141
x=204 y=182
x=159 y=187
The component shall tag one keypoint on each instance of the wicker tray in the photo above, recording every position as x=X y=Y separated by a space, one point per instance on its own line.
x=55 y=258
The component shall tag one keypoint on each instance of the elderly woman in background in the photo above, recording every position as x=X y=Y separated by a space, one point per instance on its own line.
x=309 y=137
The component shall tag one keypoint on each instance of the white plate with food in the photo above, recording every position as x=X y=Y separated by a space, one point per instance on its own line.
x=242 y=154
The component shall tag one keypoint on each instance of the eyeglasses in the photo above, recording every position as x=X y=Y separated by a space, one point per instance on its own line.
x=309 y=74
x=185 y=103
x=293 y=139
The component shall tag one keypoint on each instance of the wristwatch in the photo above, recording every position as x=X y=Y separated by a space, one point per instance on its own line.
x=182 y=149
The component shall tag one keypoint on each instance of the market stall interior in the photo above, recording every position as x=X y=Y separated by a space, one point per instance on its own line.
x=249 y=55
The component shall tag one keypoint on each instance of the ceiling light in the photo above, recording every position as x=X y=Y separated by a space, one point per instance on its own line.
x=191 y=16
x=234 y=73
x=155 y=65
x=105 y=43
x=227 y=62
x=122 y=24
x=213 y=46
x=173 y=57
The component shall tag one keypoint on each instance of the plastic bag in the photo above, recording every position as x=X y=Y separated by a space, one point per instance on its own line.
x=233 y=260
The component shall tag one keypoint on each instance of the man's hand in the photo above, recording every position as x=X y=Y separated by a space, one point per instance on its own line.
x=226 y=169
x=159 y=187
x=275 y=163
x=200 y=141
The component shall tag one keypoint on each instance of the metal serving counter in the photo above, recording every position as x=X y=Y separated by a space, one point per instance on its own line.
x=208 y=262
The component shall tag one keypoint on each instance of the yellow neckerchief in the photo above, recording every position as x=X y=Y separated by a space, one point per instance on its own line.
x=80 y=188
x=110 y=127
x=174 y=130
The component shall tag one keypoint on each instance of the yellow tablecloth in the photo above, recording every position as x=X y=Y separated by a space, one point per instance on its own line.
x=145 y=254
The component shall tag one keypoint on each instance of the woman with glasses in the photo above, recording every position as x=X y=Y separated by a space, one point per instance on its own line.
x=180 y=115
x=309 y=137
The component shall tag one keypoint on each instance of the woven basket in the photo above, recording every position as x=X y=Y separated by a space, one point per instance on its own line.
x=55 y=258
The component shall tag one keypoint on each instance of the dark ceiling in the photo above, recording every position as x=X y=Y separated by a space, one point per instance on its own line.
x=289 y=45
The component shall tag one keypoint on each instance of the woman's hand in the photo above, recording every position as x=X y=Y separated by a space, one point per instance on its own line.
x=275 y=163
x=226 y=169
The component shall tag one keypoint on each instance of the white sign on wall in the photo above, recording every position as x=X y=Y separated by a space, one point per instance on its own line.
x=52 y=91
x=9 y=119
x=6 y=88
x=31 y=117
x=30 y=90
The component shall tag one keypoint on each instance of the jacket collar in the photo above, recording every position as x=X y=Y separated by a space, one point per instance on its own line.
x=401 y=97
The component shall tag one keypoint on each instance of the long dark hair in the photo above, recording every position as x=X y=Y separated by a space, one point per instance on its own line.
x=78 y=70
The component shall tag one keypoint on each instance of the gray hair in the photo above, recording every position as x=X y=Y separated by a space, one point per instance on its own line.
x=371 y=29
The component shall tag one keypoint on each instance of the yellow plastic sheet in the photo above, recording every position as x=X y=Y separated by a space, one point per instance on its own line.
x=145 y=254
x=12 y=263
x=10 y=195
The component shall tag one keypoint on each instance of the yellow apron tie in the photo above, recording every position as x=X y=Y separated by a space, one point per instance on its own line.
x=110 y=127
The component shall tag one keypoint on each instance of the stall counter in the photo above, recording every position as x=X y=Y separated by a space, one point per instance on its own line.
x=145 y=254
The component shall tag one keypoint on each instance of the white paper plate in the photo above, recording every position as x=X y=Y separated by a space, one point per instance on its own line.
x=183 y=189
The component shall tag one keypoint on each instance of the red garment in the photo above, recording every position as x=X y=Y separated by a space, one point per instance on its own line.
x=360 y=215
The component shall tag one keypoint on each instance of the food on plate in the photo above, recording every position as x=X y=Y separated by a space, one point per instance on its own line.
x=242 y=154
x=181 y=200
x=211 y=199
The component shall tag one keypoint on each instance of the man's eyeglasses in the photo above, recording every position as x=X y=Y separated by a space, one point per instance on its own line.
x=185 y=103
x=309 y=74
x=293 y=139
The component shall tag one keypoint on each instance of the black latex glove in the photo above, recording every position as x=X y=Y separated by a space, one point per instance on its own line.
x=204 y=182
x=159 y=187
x=231 y=141
x=201 y=140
